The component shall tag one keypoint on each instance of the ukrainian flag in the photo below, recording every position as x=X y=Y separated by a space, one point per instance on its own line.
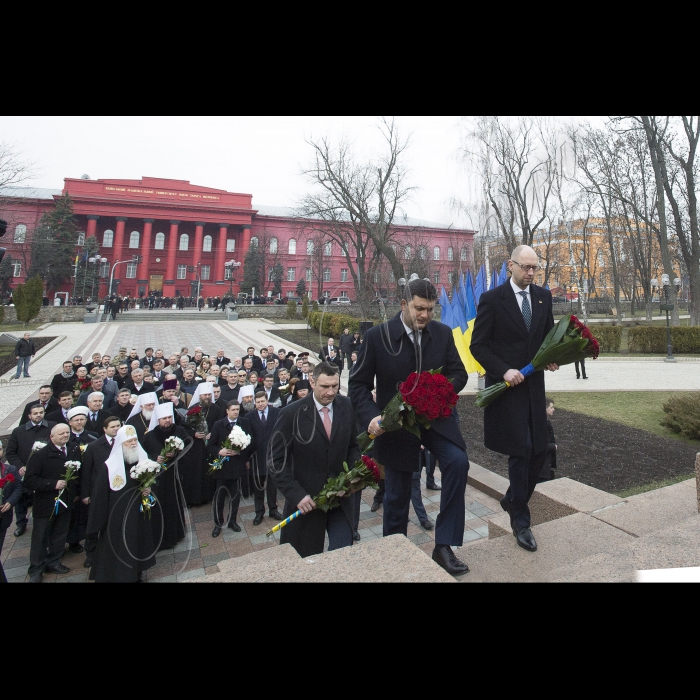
x=470 y=364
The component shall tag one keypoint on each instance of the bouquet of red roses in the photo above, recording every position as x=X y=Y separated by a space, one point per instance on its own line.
x=79 y=387
x=422 y=398
x=196 y=420
x=9 y=479
x=366 y=473
x=569 y=341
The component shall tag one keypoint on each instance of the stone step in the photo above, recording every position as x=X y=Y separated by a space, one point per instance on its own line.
x=392 y=559
x=282 y=553
x=652 y=511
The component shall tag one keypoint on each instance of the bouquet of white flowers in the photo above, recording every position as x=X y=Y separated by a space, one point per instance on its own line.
x=172 y=445
x=145 y=472
x=38 y=446
x=72 y=468
x=237 y=440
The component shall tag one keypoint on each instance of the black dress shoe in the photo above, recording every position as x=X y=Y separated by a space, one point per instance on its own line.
x=76 y=548
x=445 y=558
x=258 y=519
x=427 y=525
x=20 y=530
x=356 y=536
x=376 y=505
x=216 y=532
x=276 y=515
x=35 y=578
x=525 y=538
x=88 y=562
x=433 y=487
x=234 y=526
x=58 y=569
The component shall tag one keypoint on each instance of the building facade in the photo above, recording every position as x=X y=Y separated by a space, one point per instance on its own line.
x=174 y=238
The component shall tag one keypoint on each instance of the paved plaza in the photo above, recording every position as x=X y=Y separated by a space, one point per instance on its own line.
x=199 y=553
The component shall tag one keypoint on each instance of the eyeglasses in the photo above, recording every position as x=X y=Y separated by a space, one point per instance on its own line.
x=526 y=268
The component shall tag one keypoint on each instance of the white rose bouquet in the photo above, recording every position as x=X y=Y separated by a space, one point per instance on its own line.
x=237 y=440
x=72 y=468
x=145 y=472
x=172 y=445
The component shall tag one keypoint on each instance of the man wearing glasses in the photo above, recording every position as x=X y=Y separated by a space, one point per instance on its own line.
x=511 y=322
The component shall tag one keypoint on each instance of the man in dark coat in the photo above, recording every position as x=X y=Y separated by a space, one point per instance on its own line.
x=125 y=540
x=60 y=414
x=233 y=469
x=44 y=478
x=168 y=489
x=19 y=450
x=312 y=439
x=346 y=346
x=262 y=423
x=220 y=359
x=122 y=409
x=94 y=459
x=412 y=342
x=96 y=414
x=64 y=380
x=109 y=393
x=511 y=323
x=24 y=351
x=45 y=400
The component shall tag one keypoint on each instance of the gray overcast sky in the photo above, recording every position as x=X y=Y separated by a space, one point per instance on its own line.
x=261 y=156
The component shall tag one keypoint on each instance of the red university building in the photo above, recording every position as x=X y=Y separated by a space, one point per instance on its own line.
x=176 y=227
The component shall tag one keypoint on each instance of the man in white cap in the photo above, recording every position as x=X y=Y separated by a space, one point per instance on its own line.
x=141 y=413
x=196 y=483
x=168 y=489
x=125 y=545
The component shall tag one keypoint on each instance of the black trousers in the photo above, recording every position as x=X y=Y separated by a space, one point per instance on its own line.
x=523 y=473
x=226 y=488
x=48 y=541
x=78 y=523
x=22 y=508
x=269 y=487
x=428 y=460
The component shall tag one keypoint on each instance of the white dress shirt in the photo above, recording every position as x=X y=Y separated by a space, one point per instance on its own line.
x=519 y=296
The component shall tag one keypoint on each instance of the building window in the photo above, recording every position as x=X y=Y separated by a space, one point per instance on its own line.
x=422 y=253
x=254 y=242
x=376 y=278
x=436 y=278
x=463 y=254
x=20 y=234
x=182 y=272
x=326 y=274
x=16 y=268
x=309 y=247
x=344 y=295
x=108 y=239
x=392 y=279
x=131 y=270
x=134 y=239
x=450 y=277
x=273 y=245
x=184 y=243
x=291 y=274
x=436 y=253
x=104 y=270
x=602 y=279
x=450 y=254
x=205 y=272
x=344 y=275
x=292 y=246
x=407 y=252
x=230 y=245
x=160 y=241
x=308 y=274
x=81 y=238
x=206 y=244
x=328 y=248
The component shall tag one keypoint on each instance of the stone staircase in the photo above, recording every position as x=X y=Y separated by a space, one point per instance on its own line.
x=583 y=535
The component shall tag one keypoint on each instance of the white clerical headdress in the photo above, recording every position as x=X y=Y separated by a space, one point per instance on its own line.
x=142 y=399
x=115 y=461
x=162 y=410
x=203 y=388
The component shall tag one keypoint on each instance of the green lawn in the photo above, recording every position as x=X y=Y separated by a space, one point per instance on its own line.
x=20 y=328
x=637 y=409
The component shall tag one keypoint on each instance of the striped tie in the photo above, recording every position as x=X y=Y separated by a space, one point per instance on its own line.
x=527 y=311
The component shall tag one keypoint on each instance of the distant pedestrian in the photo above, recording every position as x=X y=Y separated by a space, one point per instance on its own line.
x=583 y=369
x=24 y=351
x=550 y=462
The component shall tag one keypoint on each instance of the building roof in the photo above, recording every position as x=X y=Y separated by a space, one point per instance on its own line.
x=290 y=212
x=29 y=192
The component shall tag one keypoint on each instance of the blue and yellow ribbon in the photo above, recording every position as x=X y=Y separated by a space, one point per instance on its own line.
x=279 y=526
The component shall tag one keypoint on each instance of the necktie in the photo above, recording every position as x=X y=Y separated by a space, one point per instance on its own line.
x=263 y=420
x=93 y=417
x=111 y=442
x=527 y=311
x=327 y=420
x=63 y=449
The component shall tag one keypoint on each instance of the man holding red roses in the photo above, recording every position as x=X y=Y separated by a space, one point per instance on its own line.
x=412 y=342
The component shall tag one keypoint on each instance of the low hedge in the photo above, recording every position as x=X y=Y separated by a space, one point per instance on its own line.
x=609 y=337
x=332 y=325
x=683 y=415
x=652 y=339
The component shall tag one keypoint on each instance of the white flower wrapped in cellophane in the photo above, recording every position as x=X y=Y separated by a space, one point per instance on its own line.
x=145 y=472
x=38 y=446
x=174 y=444
x=238 y=438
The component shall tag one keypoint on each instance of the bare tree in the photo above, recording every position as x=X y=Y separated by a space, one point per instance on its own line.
x=360 y=202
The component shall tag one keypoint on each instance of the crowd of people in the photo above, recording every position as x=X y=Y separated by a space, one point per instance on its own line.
x=219 y=428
